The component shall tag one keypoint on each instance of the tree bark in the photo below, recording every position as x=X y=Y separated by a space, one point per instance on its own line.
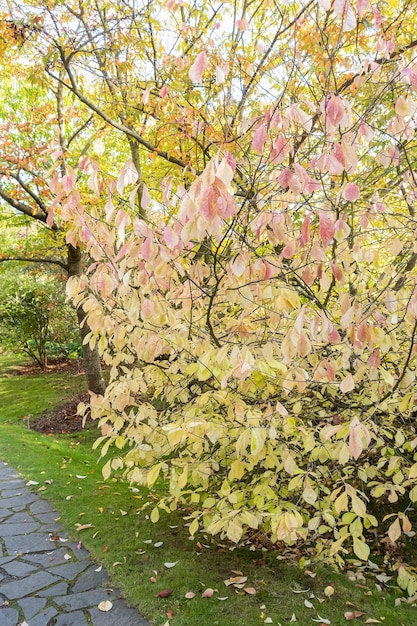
x=92 y=364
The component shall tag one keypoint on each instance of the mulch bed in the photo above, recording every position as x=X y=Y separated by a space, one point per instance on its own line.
x=63 y=419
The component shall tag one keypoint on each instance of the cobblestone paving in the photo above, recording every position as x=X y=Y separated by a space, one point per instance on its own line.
x=47 y=582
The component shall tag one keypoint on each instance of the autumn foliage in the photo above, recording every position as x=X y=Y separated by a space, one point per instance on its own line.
x=252 y=286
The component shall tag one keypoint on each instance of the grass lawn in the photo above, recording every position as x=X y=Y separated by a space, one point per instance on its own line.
x=139 y=555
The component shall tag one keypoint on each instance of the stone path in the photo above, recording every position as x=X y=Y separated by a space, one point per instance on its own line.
x=44 y=579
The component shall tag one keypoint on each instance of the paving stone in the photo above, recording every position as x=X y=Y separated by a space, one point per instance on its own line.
x=35 y=542
x=55 y=556
x=44 y=616
x=87 y=599
x=4 y=513
x=21 y=518
x=26 y=586
x=18 y=568
x=18 y=502
x=76 y=618
x=8 y=616
x=80 y=553
x=31 y=606
x=6 y=559
x=59 y=589
x=48 y=518
x=15 y=492
x=69 y=571
x=41 y=506
x=90 y=579
x=120 y=615
x=12 y=483
x=7 y=529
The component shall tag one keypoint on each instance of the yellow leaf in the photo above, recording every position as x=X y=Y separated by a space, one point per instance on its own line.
x=234 y=531
x=394 y=531
x=257 y=442
x=155 y=515
x=361 y=549
x=153 y=474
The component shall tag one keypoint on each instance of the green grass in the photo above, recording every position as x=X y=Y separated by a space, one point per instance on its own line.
x=67 y=468
x=22 y=395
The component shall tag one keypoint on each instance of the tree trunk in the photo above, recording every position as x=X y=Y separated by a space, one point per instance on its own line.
x=92 y=365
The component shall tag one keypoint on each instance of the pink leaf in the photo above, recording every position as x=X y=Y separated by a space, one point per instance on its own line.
x=305 y=231
x=343 y=9
x=242 y=24
x=351 y=192
x=145 y=197
x=128 y=176
x=259 y=139
x=170 y=237
x=347 y=384
x=335 y=110
x=326 y=229
x=164 y=92
x=361 y=6
x=325 y=4
x=207 y=593
x=198 y=67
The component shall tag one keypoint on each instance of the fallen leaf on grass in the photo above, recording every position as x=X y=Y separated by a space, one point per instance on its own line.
x=329 y=591
x=105 y=549
x=158 y=544
x=308 y=604
x=189 y=595
x=321 y=620
x=268 y=620
x=43 y=488
x=223 y=598
x=105 y=606
x=169 y=565
x=170 y=614
x=353 y=614
x=78 y=476
x=164 y=593
x=31 y=483
x=236 y=580
x=250 y=590
x=207 y=593
x=370 y=620
x=117 y=563
x=152 y=579
x=80 y=527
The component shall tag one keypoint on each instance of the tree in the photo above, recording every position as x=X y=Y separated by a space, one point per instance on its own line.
x=34 y=317
x=25 y=193
x=253 y=277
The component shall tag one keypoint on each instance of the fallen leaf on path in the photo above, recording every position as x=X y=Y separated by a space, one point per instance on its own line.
x=105 y=606
x=164 y=593
x=100 y=567
x=67 y=557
